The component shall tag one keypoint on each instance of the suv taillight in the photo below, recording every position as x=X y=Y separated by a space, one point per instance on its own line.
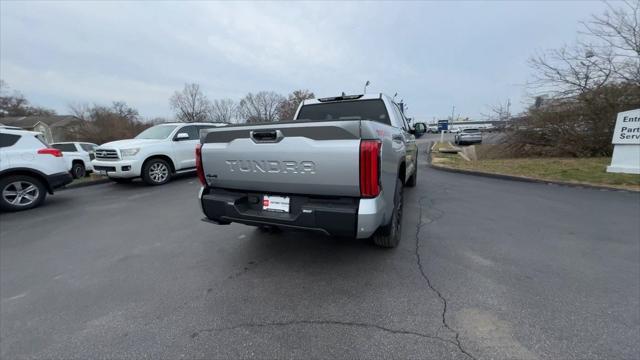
x=199 y=168
x=50 y=151
x=370 y=168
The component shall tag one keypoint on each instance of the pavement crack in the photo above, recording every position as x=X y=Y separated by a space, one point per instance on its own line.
x=420 y=224
x=325 y=322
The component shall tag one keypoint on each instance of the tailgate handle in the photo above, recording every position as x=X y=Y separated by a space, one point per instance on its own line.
x=266 y=136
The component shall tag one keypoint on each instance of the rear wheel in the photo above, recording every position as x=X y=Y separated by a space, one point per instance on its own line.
x=388 y=236
x=78 y=170
x=21 y=192
x=156 y=172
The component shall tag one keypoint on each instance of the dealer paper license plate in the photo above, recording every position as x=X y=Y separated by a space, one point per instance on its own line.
x=275 y=203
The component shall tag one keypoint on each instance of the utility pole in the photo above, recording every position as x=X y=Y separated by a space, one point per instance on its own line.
x=453 y=110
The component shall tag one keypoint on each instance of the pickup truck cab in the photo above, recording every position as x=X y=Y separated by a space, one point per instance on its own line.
x=155 y=154
x=338 y=168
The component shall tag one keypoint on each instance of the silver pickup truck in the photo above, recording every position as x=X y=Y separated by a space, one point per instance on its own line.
x=338 y=168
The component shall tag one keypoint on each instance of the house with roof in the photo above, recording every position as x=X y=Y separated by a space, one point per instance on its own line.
x=54 y=128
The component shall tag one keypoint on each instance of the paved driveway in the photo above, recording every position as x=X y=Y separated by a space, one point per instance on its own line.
x=486 y=269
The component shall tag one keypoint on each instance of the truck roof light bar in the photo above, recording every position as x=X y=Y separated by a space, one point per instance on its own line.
x=340 y=98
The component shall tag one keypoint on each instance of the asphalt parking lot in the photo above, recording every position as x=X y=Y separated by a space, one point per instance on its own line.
x=486 y=268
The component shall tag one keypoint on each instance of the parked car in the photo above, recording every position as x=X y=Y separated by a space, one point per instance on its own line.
x=29 y=169
x=155 y=154
x=78 y=156
x=432 y=129
x=468 y=136
x=339 y=168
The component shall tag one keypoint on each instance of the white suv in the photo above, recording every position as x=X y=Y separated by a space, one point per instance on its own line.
x=155 y=154
x=28 y=169
x=78 y=156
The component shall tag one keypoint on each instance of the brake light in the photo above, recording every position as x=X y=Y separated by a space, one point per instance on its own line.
x=370 y=168
x=50 y=151
x=199 y=168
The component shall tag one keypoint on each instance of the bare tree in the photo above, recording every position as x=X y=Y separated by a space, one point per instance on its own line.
x=288 y=107
x=15 y=104
x=260 y=107
x=607 y=53
x=499 y=112
x=224 y=110
x=107 y=123
x=617 y=34
x=190 y=104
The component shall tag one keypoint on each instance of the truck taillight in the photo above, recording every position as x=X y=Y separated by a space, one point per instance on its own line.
x=199 y=168
x=50 y=151
x=370 y=168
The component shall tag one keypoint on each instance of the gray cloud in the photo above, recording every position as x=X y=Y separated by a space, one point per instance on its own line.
x=433 y=54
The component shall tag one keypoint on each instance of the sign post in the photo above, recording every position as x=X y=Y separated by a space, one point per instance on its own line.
x=626 y=143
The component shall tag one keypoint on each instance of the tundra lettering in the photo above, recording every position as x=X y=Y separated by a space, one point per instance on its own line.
x=272 y=166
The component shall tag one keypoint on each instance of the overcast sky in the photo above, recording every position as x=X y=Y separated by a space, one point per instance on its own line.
x=434 y=54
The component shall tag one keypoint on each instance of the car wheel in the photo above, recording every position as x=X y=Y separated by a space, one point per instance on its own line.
x=121 y=180
x=156 y=172
x=21 y=192
x=78 y=170
x=389 y=235
x=413 y=180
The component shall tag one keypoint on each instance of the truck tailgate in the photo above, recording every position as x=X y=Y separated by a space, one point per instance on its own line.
x=312 y=158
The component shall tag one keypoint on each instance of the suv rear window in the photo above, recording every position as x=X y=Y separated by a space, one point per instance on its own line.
x=65 y=147
x=7 y=140
x=346 y=110
x=471 y=131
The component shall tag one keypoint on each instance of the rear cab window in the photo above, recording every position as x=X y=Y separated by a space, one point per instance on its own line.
x=373 y=109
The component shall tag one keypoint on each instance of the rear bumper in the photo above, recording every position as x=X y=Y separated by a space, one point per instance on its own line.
x=470 y=139
x=58 y=180
x=337 y=216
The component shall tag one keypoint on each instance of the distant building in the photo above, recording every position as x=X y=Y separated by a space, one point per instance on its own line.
x=54 y=128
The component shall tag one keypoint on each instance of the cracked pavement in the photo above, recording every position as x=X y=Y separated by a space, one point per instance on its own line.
x=486 y=269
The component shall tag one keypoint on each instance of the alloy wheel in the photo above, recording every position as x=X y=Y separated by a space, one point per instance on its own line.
x=158 y=172
x=20 y=193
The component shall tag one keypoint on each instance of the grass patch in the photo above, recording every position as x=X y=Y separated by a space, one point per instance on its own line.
x=87 y=179
x=590 y=171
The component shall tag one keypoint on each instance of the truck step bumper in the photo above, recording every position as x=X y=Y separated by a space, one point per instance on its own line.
x=331 y=216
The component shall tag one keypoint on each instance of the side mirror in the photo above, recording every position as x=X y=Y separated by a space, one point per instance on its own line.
x=181 y=137
x=419 y=129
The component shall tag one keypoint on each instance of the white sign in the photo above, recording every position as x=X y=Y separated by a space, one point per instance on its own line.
x=626 y=137
x=627 y=130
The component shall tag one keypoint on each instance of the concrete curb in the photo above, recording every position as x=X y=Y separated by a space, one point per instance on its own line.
x=85 y=184
x=530 y=180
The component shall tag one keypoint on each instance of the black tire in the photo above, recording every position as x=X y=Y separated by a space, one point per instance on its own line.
x=388 y=236
x=78 y=170
x=413 y=180
x=121 y=180
x=19 y=187
x=156 y=172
